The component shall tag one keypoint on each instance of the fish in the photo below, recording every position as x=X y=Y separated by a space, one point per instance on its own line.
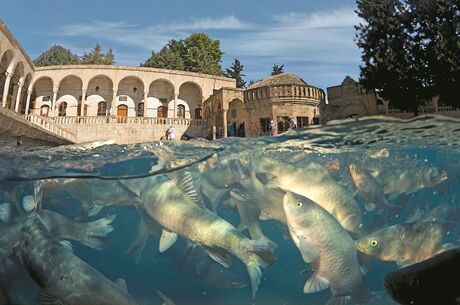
x=313 y=181
x=92 y=234
x=328 y=247
x=405 y=244
x=405 y=176
x=267 y=200
x=147 y=227
x=61 y=275
x=174 y=204
x=369 y=189
x=93 y=194
x=433 y=281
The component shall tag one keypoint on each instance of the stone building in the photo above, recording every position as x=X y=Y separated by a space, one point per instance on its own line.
x=127 y=104
x=282 y=98
x=351 y=100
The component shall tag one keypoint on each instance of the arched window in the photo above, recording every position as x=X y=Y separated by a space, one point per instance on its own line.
x=198 y=114
x=140 y=109
x=62 y=109
x=162 y=112
x=101 y=109
x=180 y=111
x=44 y=110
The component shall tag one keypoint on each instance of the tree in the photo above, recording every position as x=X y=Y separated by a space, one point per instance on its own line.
x=235 y=71
x=56 y=56
x=170 y=57
x=410 y=50
x=96 y=57
x=203 y=54
x=276 y=69
x=196 y=53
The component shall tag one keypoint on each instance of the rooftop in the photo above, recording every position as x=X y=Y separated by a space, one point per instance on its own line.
x=280 y=79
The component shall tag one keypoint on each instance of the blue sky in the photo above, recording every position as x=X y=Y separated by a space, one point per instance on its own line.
x=314 y=39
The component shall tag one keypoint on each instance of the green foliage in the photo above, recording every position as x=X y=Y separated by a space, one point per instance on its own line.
x=96 y=57
x=410 y=50
x=235 y=71
x=196 y=53
x=56 y=56
x=276 y=69
x=169 y=57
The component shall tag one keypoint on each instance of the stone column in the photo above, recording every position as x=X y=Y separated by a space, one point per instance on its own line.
x=14 y=96
x=53 y=104
x=146 y=95
x=114 y=103
x=213 y=132
x=18 y=97
x=29 y=94
x=224 y=122
x=175 y=104
x=83 y=100
x=6 y=88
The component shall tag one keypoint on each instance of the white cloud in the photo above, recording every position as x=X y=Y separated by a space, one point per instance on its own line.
x=322 y=39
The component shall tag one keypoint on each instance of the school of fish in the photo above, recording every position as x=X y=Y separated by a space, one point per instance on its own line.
x=339 y=213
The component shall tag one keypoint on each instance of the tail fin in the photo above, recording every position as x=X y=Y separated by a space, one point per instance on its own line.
x=253 y=265
x=94 y=233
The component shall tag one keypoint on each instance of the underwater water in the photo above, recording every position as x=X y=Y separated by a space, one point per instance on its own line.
x=236 y=221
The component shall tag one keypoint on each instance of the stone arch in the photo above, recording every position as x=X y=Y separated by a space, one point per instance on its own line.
x=161 y=93
x=191 y=94
x=70 y=90
x=13 y=89
x=99 y=89
x=5 y=61
x=42 y=94
x=236 y=118
x=24 y=92
x=130 y=93
x=354 y=110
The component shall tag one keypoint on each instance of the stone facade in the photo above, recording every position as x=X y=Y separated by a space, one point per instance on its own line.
x=129 y=104
x=248 y=112
x=351 y=100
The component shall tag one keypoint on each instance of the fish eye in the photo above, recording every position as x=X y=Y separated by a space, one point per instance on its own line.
x=374 y=243
x=435 y=172
x=299 y=204
x=361 y=226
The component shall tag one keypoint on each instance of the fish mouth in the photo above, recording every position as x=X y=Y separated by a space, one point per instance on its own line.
x=360 y=247
x=443 y=176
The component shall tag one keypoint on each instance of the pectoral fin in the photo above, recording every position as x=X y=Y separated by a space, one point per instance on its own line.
x=404 y=263
x=167 y=240
x=45 y=297
x=309 y=252
x=315 y=283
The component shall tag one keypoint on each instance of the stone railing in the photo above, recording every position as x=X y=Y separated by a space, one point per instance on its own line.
x=103 y=120
x=46 y=124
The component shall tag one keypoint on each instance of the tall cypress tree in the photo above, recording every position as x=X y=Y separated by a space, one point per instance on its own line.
x=235 y=71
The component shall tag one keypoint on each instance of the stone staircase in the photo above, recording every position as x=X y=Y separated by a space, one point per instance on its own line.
x=49 y=126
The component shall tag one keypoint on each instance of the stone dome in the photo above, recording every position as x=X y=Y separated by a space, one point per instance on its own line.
x=282 y=79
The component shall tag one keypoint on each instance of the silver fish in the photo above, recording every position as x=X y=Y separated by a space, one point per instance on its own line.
x=63 y=277
x=325 y=245
x=174 y=204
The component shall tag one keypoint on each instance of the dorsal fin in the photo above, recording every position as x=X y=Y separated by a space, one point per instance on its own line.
x=184 y=181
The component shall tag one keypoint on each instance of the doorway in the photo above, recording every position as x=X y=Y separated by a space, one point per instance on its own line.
x=122 y=113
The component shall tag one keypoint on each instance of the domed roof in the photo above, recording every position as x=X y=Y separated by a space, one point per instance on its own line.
x=280 y=79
